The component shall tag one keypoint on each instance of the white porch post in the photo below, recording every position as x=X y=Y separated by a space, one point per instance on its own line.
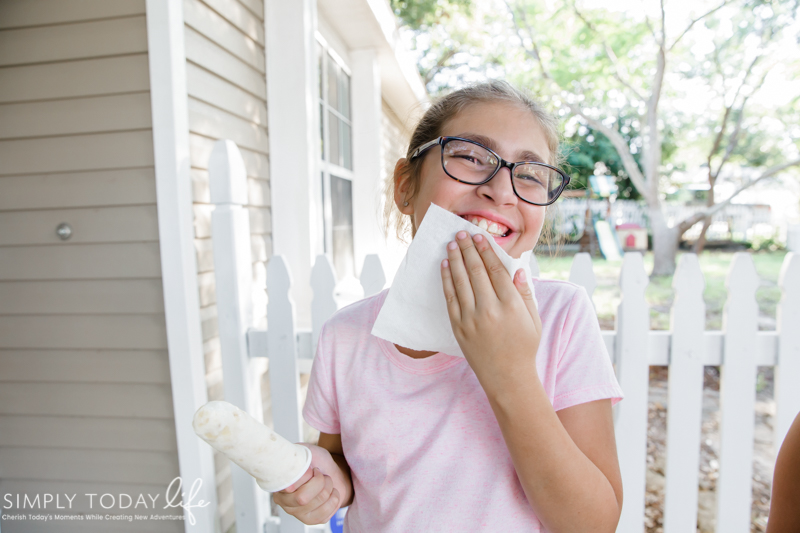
x=294 y=142
x=367 y=136
x=176 y=241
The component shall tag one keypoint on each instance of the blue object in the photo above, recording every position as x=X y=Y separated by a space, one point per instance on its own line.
x=337 y=520
x=603 y=186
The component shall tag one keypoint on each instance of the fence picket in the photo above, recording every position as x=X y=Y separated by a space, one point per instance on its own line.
x=373 y=278
x=633 y=326
x=535 y=272
x=283 y=377
x=787 y=369
x=738 y=397
x=685 y=397
x=323 y=303
x=230 y=232
x=581 y=273
x=683 y=349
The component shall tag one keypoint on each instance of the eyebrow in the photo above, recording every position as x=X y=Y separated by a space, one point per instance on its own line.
x=522 y=155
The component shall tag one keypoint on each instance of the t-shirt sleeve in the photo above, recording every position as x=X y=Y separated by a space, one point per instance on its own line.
x=585 y=372
x=321 y=409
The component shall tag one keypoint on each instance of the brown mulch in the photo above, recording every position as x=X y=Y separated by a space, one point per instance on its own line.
x=764 y=459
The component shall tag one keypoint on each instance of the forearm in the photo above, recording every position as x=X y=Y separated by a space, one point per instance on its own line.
x=345 y=480
x=567 y=491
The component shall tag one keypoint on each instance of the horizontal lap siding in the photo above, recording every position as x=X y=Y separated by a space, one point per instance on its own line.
x=226 y=83
x=85 y=396
x=395 y=139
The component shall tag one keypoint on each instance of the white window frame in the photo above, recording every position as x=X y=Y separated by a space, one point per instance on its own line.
x=326 y=168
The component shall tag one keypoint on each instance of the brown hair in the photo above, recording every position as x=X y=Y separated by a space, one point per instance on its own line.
x=430 y=127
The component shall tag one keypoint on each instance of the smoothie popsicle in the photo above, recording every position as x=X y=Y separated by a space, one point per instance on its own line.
x=275 y=462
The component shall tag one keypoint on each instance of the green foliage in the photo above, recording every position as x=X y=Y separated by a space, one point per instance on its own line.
x=767 y=244
x=603 y=60
x=420 y=14
x=585 y=148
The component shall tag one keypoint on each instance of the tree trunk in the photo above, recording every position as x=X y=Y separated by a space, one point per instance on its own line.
x=665 y=244
x=700 y=243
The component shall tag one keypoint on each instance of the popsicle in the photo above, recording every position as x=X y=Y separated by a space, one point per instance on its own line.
x=275 y=462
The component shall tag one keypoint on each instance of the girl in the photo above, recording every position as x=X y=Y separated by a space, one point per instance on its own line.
x=516 y=436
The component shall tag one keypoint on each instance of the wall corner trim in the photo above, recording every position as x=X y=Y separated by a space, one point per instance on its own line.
x=169 y=108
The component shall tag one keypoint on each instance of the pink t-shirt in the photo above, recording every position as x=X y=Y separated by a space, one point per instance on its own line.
x=423 y=445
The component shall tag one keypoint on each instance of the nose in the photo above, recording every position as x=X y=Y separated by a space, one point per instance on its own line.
x=499 y=188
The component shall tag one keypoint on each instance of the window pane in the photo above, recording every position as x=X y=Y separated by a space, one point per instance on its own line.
x=320 y=55
x=333 y=84
x=322 y=131
x=333 y=138
x=344 y=94
x=342 y=222
x=324 y=223
x=346 y=154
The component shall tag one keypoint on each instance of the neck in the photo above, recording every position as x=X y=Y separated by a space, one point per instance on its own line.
x=415 y=354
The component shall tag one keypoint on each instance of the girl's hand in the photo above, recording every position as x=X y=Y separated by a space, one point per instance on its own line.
x=314 y=498
x=494 y=318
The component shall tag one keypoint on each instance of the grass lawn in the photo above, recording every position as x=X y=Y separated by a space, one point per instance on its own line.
x=659 y=294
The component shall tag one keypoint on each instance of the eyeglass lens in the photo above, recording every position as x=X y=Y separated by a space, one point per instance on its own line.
x=472 y=163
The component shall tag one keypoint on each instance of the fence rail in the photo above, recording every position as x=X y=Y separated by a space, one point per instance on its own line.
x=685 y=349
x=734 y=221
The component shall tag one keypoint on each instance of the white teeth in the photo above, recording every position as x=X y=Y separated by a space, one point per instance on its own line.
x=491 y=227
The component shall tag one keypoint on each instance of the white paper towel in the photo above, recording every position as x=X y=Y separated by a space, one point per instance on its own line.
x=414 y=314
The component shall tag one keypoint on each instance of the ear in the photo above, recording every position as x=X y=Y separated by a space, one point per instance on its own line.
x=402 y=184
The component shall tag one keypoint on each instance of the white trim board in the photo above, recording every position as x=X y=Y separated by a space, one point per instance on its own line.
x=294 y=146
x=167 y=61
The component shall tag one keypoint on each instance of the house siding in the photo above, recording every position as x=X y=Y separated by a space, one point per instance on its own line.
x=85 y=395
x=226 y=83
x=394 y=142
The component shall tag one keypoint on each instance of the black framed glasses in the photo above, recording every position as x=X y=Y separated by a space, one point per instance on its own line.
x=471 y=162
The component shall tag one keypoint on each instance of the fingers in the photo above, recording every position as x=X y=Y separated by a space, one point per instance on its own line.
x=526 y=291
x=453 y=307
x=294 y=486
x=497 y=273
x=475 y=266
x=458 y=271
x=314 y=502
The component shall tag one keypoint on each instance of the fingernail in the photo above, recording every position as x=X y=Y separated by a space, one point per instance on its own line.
x=452 y=246
x=521 y=276
x=461 y=235
x=478 y=238
x=445 y=263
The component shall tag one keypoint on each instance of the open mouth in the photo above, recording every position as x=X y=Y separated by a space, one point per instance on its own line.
x=493 y=228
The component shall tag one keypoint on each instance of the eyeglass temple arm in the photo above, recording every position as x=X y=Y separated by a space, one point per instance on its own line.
x=425 y=147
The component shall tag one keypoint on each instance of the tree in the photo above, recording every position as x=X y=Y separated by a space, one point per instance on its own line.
x=634 y=57
x=665 y=93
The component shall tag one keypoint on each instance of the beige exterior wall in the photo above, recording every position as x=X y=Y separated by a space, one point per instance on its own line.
x=394 y=145
x=85 y=401
x=225 y=68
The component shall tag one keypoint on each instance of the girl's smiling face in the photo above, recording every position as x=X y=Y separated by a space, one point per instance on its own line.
x=513 y=133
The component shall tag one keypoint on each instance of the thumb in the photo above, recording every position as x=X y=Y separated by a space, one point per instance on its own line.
x=525 y=290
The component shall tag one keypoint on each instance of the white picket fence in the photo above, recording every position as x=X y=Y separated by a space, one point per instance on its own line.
x=686 y=348
x=736 y=221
